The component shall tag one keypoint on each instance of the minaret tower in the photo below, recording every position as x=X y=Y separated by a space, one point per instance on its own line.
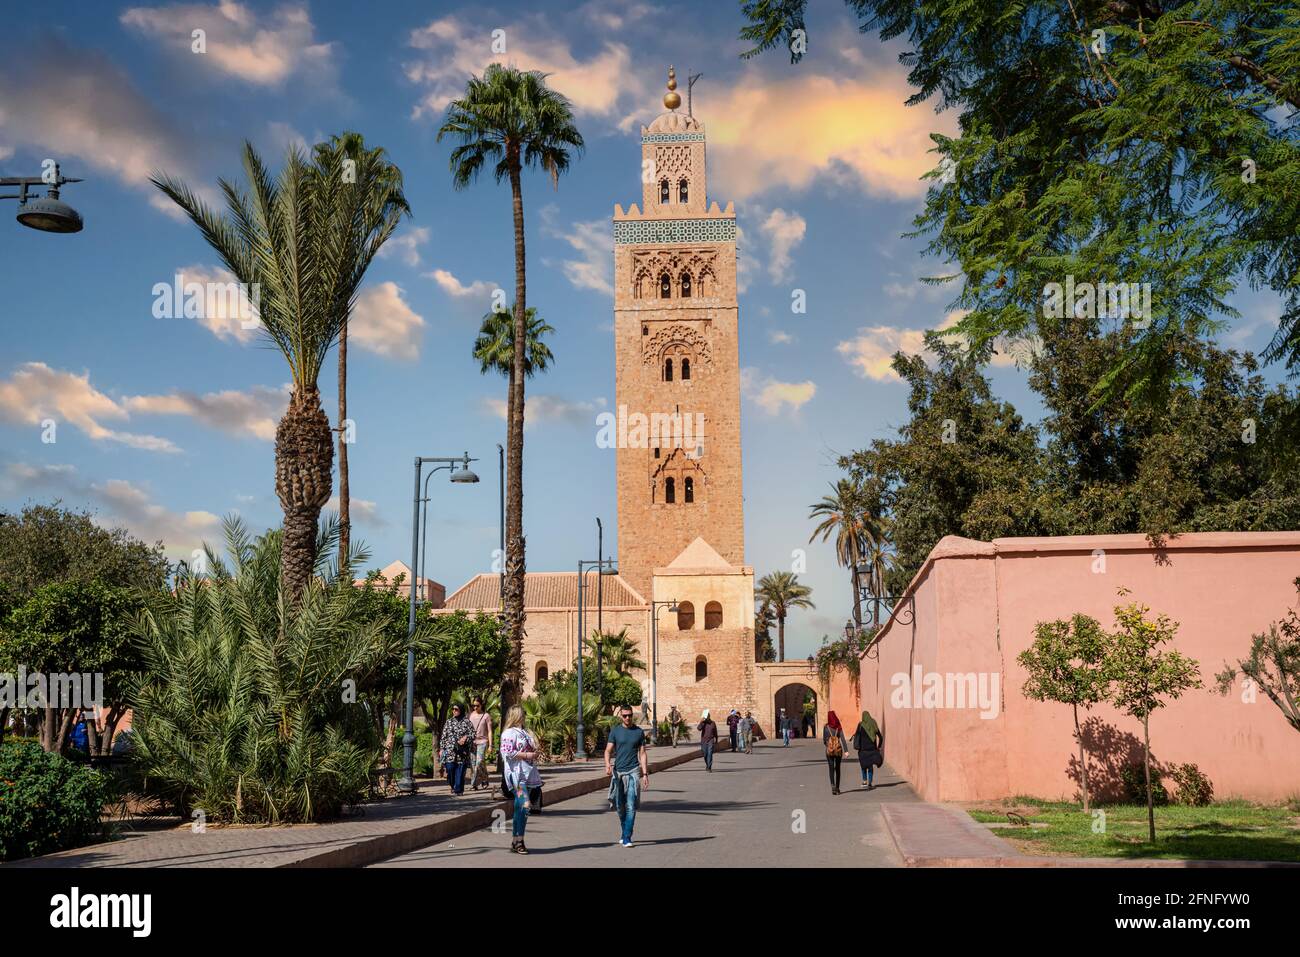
x=676 y=327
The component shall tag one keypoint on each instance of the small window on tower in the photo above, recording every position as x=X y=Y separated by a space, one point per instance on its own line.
x=665 y=287
x=670 y=491
x=663 y=191
x=656 y=452
x=668 y=370
x=686 y=368
x=689 y=491
x=682 y=191
x=645 y=330
x=686 y=285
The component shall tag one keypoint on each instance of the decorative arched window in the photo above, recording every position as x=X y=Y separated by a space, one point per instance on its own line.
x=689 y=492
x=686 y=368
x=542 y=671
x=665 y=286
x=686 y=285
x=663 y=191
x=670 y=491
x=712 y=615
x=668 y=370
x=682 y=191
x=685 y=616
x=701 y=668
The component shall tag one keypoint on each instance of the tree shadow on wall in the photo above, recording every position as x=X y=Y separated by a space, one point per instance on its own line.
x=1109 y=752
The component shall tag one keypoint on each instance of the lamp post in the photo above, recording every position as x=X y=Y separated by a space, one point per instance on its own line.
x=671 y=605
x=463 y=475
x=585 y=566
x=49 y=214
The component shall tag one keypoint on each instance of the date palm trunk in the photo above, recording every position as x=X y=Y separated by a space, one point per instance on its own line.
x=780 y=637
x=304 y=459
x=516 y=564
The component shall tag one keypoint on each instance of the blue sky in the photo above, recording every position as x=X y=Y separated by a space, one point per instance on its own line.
x=164 y=425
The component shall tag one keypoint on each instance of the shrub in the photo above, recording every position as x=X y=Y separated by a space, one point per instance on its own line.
x=1194 y=788
x=47 y=803
x=243 y=709
x=621 y=690
x=1135 y=789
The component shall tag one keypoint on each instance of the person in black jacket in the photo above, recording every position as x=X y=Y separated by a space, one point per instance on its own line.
x=869 y=743
x=833 y=740
x=708 y=729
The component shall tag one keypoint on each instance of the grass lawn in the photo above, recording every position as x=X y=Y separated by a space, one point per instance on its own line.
x=1231 y=830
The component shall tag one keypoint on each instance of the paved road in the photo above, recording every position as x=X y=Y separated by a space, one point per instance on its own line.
x=743 y=814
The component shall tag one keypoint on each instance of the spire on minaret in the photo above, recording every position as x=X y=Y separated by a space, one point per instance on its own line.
x=672 y=99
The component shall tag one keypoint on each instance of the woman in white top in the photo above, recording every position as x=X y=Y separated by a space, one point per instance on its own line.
x=519 y=752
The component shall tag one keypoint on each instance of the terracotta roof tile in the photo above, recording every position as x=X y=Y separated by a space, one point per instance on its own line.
x=544 y=590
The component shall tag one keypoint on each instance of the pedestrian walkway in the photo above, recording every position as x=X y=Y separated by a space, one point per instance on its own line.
x=769 y=809
x=380 y=829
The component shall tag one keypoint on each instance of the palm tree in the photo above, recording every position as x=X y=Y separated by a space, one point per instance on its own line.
x=781 y=591
x=494 y=347
x=878 y=560
x=841 y=513
x=510 y=118
x=621 y=652
x=339 y=149
x=302 y=242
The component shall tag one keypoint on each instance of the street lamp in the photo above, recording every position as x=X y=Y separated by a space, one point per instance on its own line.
x=49 y=213
x=585 y=566
x=462 y=475
x=672 y=606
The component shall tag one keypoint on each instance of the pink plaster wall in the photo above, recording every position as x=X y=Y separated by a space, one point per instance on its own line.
x=976 y=607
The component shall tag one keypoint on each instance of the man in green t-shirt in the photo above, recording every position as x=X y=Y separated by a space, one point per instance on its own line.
x=625 y=763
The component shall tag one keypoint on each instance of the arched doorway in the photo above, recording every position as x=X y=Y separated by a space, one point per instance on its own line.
x=798 y=700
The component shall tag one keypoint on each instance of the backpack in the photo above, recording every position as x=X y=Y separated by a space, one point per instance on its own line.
x=834 y=747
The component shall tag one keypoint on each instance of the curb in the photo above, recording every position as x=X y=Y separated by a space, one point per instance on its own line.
x=384 y=846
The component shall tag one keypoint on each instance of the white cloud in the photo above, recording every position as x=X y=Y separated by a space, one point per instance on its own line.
x=479 y=288
x=871 y=351
x=261 y=52
x=746 y=261
x=37 y=392
x=256 y=412
x=77 y=106
x=851 y=128
x=548 y=408
x=593 y=240
x=772 y=395
x=362 y=511
x=451 y=48
x=126 y=505
x=779 y=337
x=384 y=324
x=406 y=245
x=221 y=313
x=784 y=231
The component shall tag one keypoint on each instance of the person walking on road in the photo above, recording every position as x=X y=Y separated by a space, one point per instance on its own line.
x=869 y=743
x=833 y=739
x=454 y=748
x=708 y=729
x=625 y=763
x=482 y=741
x=733 y=720
x=744 y=728
x=674 y=719
x=519 y=755
x=783 y=725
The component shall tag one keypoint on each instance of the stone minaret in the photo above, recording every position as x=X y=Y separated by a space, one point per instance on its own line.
x=675 y=329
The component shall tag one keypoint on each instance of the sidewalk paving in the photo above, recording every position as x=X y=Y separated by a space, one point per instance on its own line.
x=381 y=830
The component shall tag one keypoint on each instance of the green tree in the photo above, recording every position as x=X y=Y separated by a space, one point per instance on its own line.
x=620 y=653
x=1141 y=676
x=303 y=242
x=494 y=347
x=781 y=592
x=1157 y=155
x=764 y=619
x=511 y=119
x=1273 y=665
x=42 y=544
x=248 y=705
x=466 y=652
x=1065 y=664
x=75 y=628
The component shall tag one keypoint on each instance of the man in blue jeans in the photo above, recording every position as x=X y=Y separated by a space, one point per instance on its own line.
x=785 y=728
x=625 y=763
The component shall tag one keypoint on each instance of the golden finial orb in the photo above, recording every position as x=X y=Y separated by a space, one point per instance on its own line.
x=672 y=99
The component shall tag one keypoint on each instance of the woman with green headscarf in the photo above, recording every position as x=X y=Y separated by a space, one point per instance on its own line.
x=868 y=741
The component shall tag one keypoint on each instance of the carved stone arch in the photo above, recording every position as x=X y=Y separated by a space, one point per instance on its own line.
x=654 y=346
